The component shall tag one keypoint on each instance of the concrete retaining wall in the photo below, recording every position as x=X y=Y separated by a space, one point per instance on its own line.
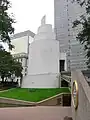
x=83 y=110
x=58 y=100
x=16 y=102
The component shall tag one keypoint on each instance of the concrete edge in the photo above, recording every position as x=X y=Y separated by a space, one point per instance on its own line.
x=84 y=84
x=17 y=100
x=7 y=90
x=33 y=102
x=52 y=97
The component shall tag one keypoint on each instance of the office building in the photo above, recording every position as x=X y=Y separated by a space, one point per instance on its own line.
x=65 y=12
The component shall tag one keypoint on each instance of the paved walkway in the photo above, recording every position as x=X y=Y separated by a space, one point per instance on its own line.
x=35 y=113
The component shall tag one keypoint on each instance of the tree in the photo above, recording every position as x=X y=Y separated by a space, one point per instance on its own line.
x=6 y=21
x=84 y=35
x=8 y=66
x=17 y=70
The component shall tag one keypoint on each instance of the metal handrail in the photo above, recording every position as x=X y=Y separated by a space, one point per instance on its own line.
x=66 y=78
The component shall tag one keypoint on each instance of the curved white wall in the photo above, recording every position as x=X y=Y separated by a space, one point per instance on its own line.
x=43 y=60
x=45 y=36
x=44 y=57
x=45 y=28
x=45 y=33
x=41 y=81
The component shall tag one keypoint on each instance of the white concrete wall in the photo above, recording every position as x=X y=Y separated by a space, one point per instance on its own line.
x=43 y=65
x=30 y=39
x=45 y=32
x=44 y=52
x=21 y=45
x=44 y=57
x=83 y=110
x=41 y=81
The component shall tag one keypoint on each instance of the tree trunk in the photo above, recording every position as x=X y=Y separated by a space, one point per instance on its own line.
x=12 y=80
x=2 y=78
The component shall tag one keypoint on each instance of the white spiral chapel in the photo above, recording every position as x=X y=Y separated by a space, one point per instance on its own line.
x=43 y=63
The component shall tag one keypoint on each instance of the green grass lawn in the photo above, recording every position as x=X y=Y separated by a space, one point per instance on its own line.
x=32 y=95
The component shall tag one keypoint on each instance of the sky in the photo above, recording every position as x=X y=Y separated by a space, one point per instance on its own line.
x=28 y=13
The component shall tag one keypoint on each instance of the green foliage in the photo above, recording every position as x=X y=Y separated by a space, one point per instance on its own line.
x=8 y=66
x=6 y=21
x=84 y=3
x=33 y=95
x=84 y=35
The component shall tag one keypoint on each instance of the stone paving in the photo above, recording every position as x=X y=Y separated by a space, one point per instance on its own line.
x=35 y=113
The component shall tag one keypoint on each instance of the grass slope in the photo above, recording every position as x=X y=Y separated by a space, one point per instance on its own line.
x=32 y=95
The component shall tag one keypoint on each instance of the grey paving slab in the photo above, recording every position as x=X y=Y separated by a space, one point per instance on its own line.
x=35 y=113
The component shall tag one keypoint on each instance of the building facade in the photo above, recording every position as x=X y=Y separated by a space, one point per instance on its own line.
x=61 y=26
x=23 y=59
x=21 y=42
x=65 y=12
